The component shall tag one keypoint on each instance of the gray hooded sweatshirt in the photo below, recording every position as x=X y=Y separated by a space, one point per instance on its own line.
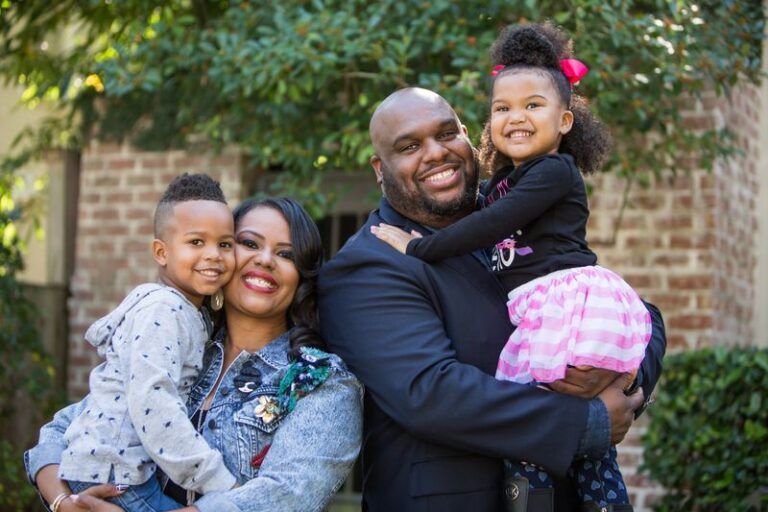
x=153 y=344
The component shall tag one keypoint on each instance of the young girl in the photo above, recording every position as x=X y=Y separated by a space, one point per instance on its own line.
x=568 y=310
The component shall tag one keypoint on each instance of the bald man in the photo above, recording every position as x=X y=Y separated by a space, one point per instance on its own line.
x=425 y=338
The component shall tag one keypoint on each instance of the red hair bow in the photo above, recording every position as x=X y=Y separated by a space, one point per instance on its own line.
x=573 y=69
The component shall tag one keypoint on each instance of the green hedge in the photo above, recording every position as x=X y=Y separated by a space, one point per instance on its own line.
x=707 y=442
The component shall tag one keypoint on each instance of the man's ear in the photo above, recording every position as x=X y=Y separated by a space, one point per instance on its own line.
x=464 y=130
x=566 y=123
x=376 y=164
x=159 y=252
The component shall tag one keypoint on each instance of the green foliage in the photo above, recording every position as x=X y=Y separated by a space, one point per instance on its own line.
x=26 y=372
x=15 y=492
x=294 y=83
x=707 y=442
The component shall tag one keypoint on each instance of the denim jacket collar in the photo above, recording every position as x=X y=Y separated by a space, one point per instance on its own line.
x=274 y=353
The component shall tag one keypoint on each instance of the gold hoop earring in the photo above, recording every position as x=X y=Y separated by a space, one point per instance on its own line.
x=217 y=300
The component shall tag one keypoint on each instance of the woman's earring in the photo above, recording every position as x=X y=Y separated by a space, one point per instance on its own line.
x=217 y=300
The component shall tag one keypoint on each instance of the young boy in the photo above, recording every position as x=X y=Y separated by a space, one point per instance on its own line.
x=153 y=344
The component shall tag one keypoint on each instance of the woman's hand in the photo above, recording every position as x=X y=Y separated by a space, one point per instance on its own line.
x=584 y=381
x=92 y=499
x=395 y=237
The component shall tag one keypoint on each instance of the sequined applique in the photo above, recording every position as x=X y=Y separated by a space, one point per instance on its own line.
x=310 y=369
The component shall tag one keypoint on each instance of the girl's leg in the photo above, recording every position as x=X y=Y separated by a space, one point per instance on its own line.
x=599 y=482
x=537 y=478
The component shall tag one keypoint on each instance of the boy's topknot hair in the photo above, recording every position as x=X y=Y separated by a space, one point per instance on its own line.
x=540 y=47
x=193 y=187
x=186 y=187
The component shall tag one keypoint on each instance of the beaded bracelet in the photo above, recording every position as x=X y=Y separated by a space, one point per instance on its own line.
x=58 y=500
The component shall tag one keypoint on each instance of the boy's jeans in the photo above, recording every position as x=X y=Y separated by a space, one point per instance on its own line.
x=147 y=497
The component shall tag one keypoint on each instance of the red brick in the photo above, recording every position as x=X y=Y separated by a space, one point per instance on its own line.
x=151 y=197
x=119 y=197
x=693 y=322
x=225 y=161
x=634 y=222
x=672 y=222
x=671 y=260
x=103 y=214
x=157 y=162
x=142 y=179
x=92 y=164
x=640 y=280
x=669 y=301
x=189 y=163
x=676 y=341
x=634 y=242
x=143 y=214
x=648 y=202
x=121 y=164
x=690 y=282
x=105 y=181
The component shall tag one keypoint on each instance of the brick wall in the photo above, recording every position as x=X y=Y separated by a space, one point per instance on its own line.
x=119 y=188
x=686 y=243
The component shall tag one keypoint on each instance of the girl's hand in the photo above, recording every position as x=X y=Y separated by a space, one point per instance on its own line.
x=395 y=237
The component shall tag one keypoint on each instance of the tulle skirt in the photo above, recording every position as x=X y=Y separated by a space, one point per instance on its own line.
x=580 y=316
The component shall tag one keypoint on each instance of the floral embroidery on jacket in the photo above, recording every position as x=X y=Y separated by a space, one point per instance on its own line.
x=310 y=369
x=268 y=409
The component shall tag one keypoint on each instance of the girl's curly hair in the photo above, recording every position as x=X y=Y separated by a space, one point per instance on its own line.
x=541 y=47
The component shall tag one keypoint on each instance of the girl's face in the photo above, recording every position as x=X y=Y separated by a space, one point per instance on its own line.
x=528 y=118
x=265 y=278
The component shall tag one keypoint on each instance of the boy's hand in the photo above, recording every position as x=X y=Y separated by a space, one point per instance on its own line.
x=395 y=237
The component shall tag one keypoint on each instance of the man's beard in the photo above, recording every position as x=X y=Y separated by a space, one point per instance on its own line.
x=419 y=206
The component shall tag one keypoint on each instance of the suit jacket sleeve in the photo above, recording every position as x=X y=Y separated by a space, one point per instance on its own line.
x=378 y=315
x=650 y=368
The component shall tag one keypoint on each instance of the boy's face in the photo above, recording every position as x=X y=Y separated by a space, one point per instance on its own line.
x=196 y=253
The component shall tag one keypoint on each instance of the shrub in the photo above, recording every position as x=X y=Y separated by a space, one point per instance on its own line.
x=707 y=442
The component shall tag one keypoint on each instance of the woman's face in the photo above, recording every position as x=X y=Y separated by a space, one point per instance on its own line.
x=265 y=277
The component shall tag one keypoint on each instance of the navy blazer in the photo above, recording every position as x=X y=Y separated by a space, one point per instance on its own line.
x=425 y=340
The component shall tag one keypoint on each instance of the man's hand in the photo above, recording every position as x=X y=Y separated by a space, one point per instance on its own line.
x=395 y=237
x=621 y=408
x=584 y=381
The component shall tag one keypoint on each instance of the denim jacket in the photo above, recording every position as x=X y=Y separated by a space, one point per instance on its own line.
x=286 y=454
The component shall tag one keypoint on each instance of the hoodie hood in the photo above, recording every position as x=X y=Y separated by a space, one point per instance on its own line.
x=99 y=334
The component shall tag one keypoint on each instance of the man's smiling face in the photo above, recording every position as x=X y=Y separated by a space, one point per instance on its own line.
x=423 y=158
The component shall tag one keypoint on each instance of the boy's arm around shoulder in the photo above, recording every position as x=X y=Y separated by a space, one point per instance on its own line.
x=379 y=312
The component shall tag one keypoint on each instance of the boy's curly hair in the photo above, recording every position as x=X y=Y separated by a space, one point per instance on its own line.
x=541 y=47
x=186 y=187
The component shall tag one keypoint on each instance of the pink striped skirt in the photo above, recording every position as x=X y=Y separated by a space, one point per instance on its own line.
x=580 y=316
